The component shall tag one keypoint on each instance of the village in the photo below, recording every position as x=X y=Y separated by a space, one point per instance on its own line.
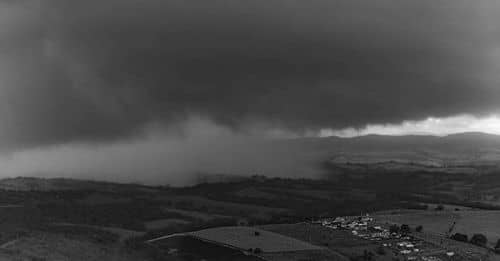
x=402 y=242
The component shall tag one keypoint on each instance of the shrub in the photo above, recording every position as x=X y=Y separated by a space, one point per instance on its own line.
x=405 y=228
x=479 y=240
x=394 y=229
x=439 y=208
x=415 y=206
x=419 y=229
x=138 y=245
x=460 y=237
x=367 y=255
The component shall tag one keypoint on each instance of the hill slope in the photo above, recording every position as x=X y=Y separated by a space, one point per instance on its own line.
x=466 y=152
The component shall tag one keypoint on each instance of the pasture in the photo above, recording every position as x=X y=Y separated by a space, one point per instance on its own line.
x=340 y=243
x=225 y=208
x=164 y=223
x=252 y=238
x=196 y=215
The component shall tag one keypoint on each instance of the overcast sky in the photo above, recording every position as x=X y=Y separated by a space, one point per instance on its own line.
x=105 y=73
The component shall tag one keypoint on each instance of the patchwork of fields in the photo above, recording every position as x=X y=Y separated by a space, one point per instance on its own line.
x=112 y=220
x=439 y=222
x=252 y=242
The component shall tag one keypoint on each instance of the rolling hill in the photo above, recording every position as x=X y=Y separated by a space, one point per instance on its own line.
x=458 y=153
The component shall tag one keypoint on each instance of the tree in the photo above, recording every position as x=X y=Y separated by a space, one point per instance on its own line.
x=479 y=240
x=498 y=245
x=367 y=255
x=394 y=229
x=419 y=229
x=439 y=207
x=460 y=237
x=405 y=228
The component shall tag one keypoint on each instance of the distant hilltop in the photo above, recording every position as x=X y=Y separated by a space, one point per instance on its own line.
x=470 y=152
x=58 y=184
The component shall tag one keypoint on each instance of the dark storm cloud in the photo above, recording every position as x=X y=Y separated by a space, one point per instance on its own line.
x=99 y=70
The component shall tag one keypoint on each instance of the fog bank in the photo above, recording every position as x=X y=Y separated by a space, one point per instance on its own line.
x=174 y=156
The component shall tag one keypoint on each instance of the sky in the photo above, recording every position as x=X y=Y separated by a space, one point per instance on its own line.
x=123 y=76
x=431 y=126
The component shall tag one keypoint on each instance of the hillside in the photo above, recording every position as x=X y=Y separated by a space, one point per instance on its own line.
x=468 y=153
x=56 y=184
x=112 y=220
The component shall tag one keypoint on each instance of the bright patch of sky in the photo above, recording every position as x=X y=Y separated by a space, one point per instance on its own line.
x=430 y=126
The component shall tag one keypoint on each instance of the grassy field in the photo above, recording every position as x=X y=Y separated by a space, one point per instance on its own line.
x=185 y=248
x=245 y=238
x=164 y=223
x=243 y=243
x=58 y=247
x=438 y=222
x=103 y=199
x=209 y=208
x=342 y=242
x=304 y=255
x=122 y=234
x=353 y=247
x=197 y=215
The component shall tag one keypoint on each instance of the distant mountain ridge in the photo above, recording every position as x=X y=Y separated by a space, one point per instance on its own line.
x=462 y=152
x=380 y=142
x=457 y=153
x=56 y=184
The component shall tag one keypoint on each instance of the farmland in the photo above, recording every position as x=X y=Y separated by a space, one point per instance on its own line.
x=253 y=242
x=359 y=240
x=164 y=223
x=181 y=248
x=122 y=217
x=438 y=222
x=245 y=238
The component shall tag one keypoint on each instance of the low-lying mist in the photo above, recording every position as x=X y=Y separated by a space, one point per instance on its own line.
x=174 y=156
